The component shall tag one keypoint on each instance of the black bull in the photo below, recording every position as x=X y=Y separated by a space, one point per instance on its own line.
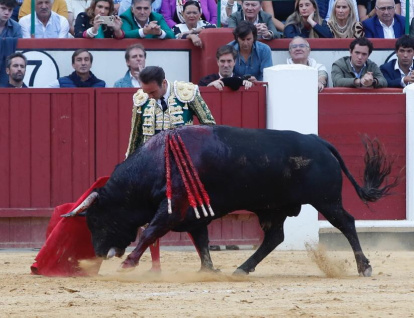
x=270 y=173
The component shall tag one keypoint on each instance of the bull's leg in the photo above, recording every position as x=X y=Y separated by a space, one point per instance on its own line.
x=151 y=234
x=345 y=222
x=273 y=236
x=200 y=241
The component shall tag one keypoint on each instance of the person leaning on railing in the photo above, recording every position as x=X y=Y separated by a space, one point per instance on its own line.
x=172 y=11
x=193 y=25
x=139 y=22
x=90 y=25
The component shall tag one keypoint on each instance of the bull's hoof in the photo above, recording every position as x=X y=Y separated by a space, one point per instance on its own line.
x=240 y=272
x=209 y=270
x=127 y=266
x=367 y=272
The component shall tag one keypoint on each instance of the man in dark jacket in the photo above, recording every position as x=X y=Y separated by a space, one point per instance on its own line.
x=226 y=58
x=82 y=76
x=399 y=72
x=386 y=24
x=16 y=69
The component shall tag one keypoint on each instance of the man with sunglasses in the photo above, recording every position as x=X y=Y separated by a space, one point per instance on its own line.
x=386 y=24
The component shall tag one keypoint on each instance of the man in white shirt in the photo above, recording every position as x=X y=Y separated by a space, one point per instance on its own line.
x=299 y=50
x=48 y=24
x=386 y=24
x=135 y=56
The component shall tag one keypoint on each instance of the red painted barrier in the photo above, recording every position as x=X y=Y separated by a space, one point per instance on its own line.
x=55 y=143
x=344 y=116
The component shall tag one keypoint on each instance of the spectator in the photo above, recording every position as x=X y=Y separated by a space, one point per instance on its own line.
x=228 y=7
x=252 y=12
x=140 y=22
x=89 y=24
x=299 y=50
x=272 y=7
x=163 y=105
x=386 y=24
x=126 y=4
x=172 y=10
x=193 y=25
x=366 y=9
x=306 y=22
x=399 y=72
x=58 y=6
x=8 y=27
x=252 y=56
x=74 y=8
x=343 y=22
x=226 y=59
x=331 y=6
x=82 y=76
x=48 y=24
x=16 y=69
x=357 y=70
x=135 y=56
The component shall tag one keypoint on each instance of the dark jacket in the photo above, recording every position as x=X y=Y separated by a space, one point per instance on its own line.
x=373 y=28
x=292 y=30
x=392 y=75
x=73 y=80
x=131 y=29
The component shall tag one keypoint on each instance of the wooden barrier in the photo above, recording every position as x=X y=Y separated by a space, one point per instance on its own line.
x=56 y=142
x=345 y=115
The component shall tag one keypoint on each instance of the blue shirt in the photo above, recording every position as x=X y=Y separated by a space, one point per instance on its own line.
x=11 y=30
x=260 y=58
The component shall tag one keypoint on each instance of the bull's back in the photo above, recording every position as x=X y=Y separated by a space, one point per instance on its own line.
x=250 y=166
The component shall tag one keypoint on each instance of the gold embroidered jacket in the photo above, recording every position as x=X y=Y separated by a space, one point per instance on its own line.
x=148 y=118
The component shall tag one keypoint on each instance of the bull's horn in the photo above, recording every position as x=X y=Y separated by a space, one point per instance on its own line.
x=111 y=253
x=83 y=206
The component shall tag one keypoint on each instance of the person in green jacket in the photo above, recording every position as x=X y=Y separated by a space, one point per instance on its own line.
x=357 y=70
x=139 y=22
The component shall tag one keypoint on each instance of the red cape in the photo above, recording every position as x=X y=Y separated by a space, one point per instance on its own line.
x=68 y=241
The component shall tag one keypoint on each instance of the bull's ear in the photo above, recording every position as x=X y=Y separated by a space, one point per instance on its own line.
x=81 y=208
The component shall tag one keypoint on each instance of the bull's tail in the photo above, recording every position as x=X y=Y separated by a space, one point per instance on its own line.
x=377 y=169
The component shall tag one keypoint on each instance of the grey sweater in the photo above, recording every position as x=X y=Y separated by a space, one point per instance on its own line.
x=343 y=76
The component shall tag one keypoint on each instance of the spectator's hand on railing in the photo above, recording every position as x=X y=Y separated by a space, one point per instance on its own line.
x=409 y=78
x=367 y=80
x=152 y=28
x=247 y=84
x=196 y=40
x=217 y=84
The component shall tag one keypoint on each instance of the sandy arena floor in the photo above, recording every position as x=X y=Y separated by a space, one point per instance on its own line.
x=285 y=284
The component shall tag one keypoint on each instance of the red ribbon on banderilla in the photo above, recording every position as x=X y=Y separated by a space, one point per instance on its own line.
x=196 y=193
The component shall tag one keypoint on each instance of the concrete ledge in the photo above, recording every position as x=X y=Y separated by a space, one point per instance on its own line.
x=370 y=241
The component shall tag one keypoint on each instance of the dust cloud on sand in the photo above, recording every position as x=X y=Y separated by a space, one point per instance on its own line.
x=285 y=284
x=332 y=268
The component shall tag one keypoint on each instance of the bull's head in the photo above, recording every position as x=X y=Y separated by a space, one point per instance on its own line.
x=110 y=228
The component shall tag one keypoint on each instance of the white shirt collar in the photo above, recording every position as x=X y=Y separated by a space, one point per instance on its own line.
x=388 y=30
